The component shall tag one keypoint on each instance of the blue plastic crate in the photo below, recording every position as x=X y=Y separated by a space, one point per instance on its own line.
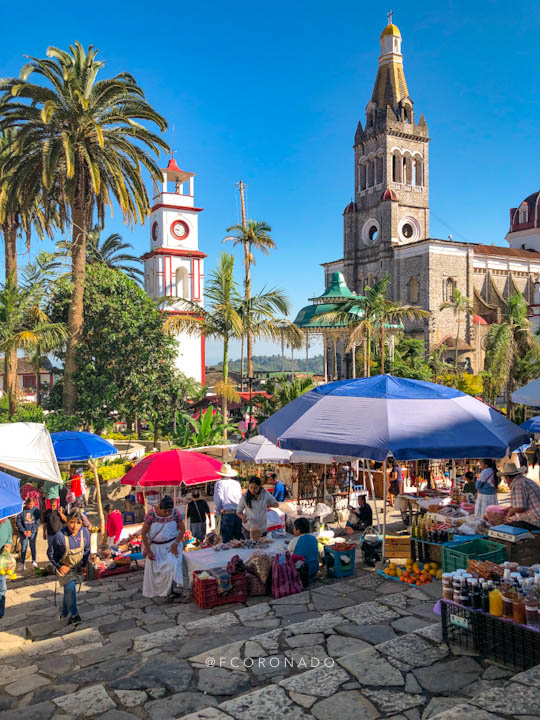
x=338 y=569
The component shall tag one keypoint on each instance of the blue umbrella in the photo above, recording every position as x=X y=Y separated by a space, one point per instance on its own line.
x=10 y=497
x=411 y=419
x=532 y=425
x=71 y=446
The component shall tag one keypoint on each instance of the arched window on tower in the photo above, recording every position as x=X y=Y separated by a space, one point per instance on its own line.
x=379 y=162
x=182 y=283
x=418 y=172
x=363 y=178
x=412 y=291
x=523 y=213
x=449 y=286
x=397 y=168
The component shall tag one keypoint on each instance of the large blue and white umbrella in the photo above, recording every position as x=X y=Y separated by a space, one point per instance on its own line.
x=260 y=450
x=382 y=415
x=532 y=425
x=70 y=446
x=10 y=497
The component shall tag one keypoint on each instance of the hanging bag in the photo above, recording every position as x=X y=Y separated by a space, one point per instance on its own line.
x=285 y=578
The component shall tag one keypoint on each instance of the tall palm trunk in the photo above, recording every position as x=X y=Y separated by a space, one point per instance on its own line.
x=457 y=341
x=242 y=342
x=37 y=368
x=225 y=379
x=80 y=216
x=364 y=353
x=282 y=354
x=249 y=337
x=383 y=348
x=10 y=228
x=368 y=350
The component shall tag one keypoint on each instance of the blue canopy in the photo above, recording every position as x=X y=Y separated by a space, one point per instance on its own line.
x=259 y=449
x=10 y=497
x=71 y=446
x=410 y=419
x=532 y=425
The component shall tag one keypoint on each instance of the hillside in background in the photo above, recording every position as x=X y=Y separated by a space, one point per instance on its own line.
x=275 y=363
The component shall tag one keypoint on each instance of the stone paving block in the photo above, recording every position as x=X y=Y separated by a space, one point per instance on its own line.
x=371 y=668
x=26 y=684
x=303 y=640
x=270 y=703
x=300 y=598
x=409 y=624
x=373 y=634
x=349 y=704
x=441 y=704
x=329 y=602
x=78 y=648
x=393 y=701
x=283 y=611
x=215 y=623
x=460 y=712
x=12 y=637
x=178 y=705
x=149 y=641
x=301 y=699
x=527 y=677
x=84 y=703
x=131 y=698
x=396 y=600
x=448 y=677
x=369 y=613
x=42 y=629
x=307 y=657
x=513 y=699
x=225 y=656
x=43 y=647
x=300 y=617
x=114 y=715
x=126 y=636
x=208 y=714
x=38 y=711
x=324 y=623
x=264 y=623
x=254 y=612
x=50 y=692
x=165 y=670
x=252 y=649
x=413 y=650
x=100 y=654
x=83 y=637
x=219 y=681
x=431 y=632
x=8 y=672
x=106 y=671
x=320 y=682
x=339 y=645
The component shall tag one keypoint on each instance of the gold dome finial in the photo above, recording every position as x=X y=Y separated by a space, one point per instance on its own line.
x=391 y=29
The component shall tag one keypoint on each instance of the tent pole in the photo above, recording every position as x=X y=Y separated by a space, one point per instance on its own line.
x=374 y=498
x=385 y=491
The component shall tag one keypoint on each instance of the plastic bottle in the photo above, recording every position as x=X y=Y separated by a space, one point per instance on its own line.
x=507 y=575
x=508 y=600
x=495 y=602
x=476 y=599
x=485 y=597
x=519 y=614
x=531 y=610
x=465 y=594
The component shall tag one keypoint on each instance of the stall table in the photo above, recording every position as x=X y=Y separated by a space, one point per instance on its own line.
x=208 y=558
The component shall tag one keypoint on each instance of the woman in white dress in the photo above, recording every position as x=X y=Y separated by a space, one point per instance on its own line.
x=162 y=534
x=487 y=487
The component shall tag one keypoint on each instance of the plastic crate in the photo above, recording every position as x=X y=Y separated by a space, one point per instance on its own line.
x=461 y=626
x=457 y=555
x=334 y=565
x=509 y=643
x=206 y=596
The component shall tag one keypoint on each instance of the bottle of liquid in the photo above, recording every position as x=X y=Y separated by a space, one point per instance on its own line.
x=495 y=602
x=519 y=614
x=485 y=597
x=465 y=594
x=507 y=598
x=507 y=576
x=476 y=598
x=457 y=590
x=531 y=610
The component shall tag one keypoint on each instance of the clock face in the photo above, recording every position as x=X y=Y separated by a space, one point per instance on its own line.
x=155 y=229
x=179 y=230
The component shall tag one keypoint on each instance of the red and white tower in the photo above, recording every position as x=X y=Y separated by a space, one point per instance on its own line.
x=174 y=267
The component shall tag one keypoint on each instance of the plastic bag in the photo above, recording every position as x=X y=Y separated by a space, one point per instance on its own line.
x=7 y=563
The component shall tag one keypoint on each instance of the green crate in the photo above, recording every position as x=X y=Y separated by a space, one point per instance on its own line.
x=457 y=555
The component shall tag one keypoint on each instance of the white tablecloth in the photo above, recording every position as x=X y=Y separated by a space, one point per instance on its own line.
x=208 y=558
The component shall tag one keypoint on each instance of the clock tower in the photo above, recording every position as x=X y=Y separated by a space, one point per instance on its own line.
x=174 y=267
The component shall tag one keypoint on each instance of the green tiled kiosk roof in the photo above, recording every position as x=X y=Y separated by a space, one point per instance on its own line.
x=308 y=316
x=337 y=290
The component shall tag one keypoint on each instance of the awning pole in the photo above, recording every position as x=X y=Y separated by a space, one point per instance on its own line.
x=385 y=492
x=373 y=495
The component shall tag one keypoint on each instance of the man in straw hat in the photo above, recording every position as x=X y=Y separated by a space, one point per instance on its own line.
x=524 y=510
x=227 y=494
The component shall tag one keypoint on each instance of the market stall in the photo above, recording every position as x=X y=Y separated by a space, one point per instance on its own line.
x=408 y=419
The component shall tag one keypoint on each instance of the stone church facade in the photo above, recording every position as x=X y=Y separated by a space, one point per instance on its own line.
x=386 y=227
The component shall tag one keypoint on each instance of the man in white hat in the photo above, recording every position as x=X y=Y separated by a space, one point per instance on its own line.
x=227 y=494
x=524 y=497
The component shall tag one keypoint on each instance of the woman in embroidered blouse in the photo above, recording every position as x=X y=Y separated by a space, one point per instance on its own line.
x=162 y=534
x=487 y=487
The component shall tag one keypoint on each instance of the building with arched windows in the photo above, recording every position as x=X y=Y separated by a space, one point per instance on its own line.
x=386 y=227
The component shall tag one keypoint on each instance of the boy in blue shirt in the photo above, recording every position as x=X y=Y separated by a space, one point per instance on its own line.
x=279 y=488
x=306 y=545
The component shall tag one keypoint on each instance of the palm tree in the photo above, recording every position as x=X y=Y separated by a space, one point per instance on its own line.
x=437 y=363
x=24 y=326
x=392 y=313
x=508 y=343
x=253 y=236
x=82 y=138
x=460 y=305
x=110 y=252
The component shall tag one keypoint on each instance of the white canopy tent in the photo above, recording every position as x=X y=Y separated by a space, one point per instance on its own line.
x=28 y=448
x=529 y=394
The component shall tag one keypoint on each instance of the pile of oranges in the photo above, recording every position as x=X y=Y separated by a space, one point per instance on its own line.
x=413 y=574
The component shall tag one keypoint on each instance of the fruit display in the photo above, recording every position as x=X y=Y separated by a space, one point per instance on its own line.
x=94 y=529
x=9 y=574
x=413 y=573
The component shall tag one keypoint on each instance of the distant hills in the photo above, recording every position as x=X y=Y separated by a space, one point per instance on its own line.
x=276 y=363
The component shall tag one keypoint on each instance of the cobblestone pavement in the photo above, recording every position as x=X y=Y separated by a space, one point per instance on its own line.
x=362 y=647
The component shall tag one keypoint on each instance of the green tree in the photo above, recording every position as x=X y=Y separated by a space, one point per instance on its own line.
x=126 y=361
x=253 y=236
x=25 y=326
x=508 y=344
x=437 y=363
x=461 y=307
x=83 y=138
x=409 y=359
x=109 y=252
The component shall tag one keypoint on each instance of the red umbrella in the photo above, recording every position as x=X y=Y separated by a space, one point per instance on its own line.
x=173 y=467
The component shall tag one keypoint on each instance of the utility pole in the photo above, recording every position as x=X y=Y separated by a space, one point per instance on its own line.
x=242 y=186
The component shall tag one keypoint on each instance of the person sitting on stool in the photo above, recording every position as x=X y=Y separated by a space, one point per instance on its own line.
x=361 y=517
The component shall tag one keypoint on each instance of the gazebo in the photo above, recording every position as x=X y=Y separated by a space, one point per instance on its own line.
x=311 y=321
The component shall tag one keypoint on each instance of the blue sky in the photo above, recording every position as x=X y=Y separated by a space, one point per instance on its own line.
x=271 y=93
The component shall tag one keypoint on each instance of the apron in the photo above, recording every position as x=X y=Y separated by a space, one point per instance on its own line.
x=72 y=558
x=159 y=574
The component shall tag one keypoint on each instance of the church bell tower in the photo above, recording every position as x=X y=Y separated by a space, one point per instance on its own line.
x=391 y=199
x=174 y=267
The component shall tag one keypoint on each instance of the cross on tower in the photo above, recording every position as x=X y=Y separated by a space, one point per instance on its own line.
x=389 y=16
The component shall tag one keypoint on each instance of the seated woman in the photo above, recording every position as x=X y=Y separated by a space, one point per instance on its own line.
x=162 y=534
x=305 y=544
x=253 y=506
x=68 y=553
